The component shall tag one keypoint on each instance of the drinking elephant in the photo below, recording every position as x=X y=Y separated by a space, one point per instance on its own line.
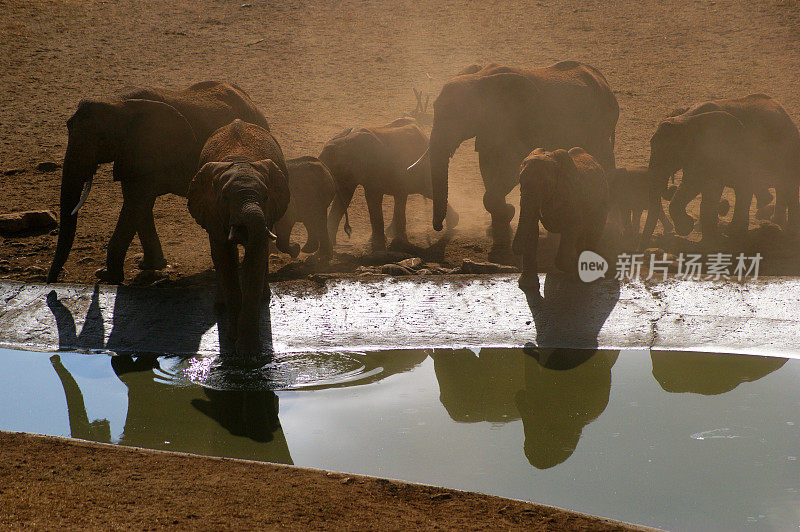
x=377 y=158
x=568 y=192
x=748 y=144
x=312 y=190
x=509 y=112
x=153 y=137
x=238 y=194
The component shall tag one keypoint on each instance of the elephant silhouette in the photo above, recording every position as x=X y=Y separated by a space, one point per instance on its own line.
x=683 y=371
x=556 y=392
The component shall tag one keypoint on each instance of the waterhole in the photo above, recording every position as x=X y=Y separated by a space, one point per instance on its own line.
x=682 y=441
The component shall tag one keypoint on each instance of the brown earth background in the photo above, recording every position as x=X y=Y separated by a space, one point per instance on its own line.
x=317 y=67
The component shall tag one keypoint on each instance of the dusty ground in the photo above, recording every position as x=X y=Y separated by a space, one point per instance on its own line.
x=315 y=68
x=53 y=483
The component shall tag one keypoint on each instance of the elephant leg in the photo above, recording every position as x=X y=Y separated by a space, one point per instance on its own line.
x=666 y=224
x=312 y=242
x=340 y=204
x=283 y=230
x=741 y=211
x=397 y=229
x=764 y=210
x=567 y=255
x=451 y=218
x=687 y=191
x=317 y=230
x=636 y=221
x=375 y=207
x=500 y=172
x=603 y=152
x=118 y=245
x=709 y=212
x=151 y=245
x=226 y=262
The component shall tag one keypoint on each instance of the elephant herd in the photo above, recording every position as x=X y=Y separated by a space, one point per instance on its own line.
x=550 y=129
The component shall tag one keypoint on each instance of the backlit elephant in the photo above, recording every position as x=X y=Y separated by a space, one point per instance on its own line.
x=377 y=158
x=153 y=137
x=509 y=112
x=629 y=190
x=568 y=192
x=312 y=190
x=237 y=195
x=748 y=144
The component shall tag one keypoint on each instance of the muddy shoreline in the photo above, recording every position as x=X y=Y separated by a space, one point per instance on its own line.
x=51 y=482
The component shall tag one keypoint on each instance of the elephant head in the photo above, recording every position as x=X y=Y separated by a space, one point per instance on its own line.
x=687 y=141
x=142 y=137
x=539 y=176
x=497 y=108
x=242 y=200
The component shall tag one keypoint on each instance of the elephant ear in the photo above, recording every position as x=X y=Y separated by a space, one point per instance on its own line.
x=159 y=141
x=564 y=162
x=509 y=101
x=203 y=192
x=370 y=154
x=278 y=194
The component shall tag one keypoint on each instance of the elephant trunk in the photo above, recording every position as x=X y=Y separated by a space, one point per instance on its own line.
x=253 y=273
x=527 y=237
x=76 y=177
x=440 y=160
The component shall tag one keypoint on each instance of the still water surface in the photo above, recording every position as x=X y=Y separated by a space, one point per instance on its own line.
x=683 y=441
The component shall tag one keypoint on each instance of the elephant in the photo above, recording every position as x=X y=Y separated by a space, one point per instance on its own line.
x=565 y=390
x=709 y=373
x=237 y=196
x=568 y=191
x=555 y=392
x=748 y=144
x=312 y=189
x=629 y=190
x=153 y=137
x=377 y=158
x=509 y=112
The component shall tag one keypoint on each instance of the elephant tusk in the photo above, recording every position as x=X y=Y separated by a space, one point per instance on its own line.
x=86 y=188
x=419 y=160
x=271 y=235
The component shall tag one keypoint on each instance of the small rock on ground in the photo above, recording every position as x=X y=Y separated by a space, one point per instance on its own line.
x=17 y=222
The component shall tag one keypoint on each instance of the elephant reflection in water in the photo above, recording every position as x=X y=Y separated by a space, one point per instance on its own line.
x=707 y=374
x=79 y=424
x=565 y=390
x=556 y=392
x=163 y=415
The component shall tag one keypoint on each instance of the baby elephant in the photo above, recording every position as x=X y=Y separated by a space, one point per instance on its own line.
x=240 y=192
x=380 y=159
x=312 y=188
x=630 y=193
x=568 y=192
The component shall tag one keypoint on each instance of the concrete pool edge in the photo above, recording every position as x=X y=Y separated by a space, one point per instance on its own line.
x=92 y=467
x=759 y=317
